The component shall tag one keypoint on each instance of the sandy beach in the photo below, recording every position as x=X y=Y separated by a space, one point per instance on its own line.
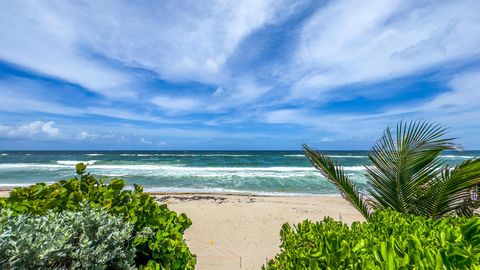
x=242 y=232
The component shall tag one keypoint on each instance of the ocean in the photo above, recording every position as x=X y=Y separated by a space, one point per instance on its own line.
x=258 y=172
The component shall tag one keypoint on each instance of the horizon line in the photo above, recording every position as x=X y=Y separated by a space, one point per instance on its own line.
x=211 y=150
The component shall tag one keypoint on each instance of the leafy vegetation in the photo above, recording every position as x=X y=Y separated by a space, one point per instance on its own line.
x=87 y=239
x=408 y=174
x=390 y=240
x=158 y=232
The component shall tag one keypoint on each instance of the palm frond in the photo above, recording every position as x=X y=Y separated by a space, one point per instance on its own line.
x=402 y=165
x=337 y=176
x=453 y=189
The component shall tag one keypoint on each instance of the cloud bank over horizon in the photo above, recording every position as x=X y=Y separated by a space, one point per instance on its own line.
x=234 y=74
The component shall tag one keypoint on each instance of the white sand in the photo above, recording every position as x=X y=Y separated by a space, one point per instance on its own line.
x=230 y=228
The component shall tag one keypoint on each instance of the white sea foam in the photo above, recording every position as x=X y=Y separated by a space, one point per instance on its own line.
x=93 y=155
x=227 y=155
x=116 y=174
x=75 y=162
x=12 y=185
x=15 y=184
x=179 y=155
x=152 y=167
x=332 y=156
x=29 y=165
x=173 y=174
x=231 y=191
x=212 y=172
x=205 y=190
x=183 y=172
x=354 y=168
x=454 y=156
x=138 y=155
x=204 y=155
x=352 y=156
x=347 y=156
x=4 y=154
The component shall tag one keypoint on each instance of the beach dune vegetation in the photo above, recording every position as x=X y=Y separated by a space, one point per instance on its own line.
x=157 y=233
x=389 y=240
x=86 y=239
x=408 y=175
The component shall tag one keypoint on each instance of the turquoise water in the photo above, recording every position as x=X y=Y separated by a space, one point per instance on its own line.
x=261 y=172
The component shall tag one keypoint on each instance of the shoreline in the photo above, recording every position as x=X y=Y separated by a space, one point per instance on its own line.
x=244 y=194
x=213 y=193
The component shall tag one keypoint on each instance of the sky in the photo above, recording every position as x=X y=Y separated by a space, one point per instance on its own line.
x=234 y=75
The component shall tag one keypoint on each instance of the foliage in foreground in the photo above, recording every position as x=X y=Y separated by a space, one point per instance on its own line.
x=390 y=240
x=158 y=232
x=408 y=174
x=87 y=239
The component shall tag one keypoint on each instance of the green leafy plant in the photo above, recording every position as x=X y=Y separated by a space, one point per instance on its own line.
x=390 y=240
x=408 y=175
x=161 y=243
x=87 y=239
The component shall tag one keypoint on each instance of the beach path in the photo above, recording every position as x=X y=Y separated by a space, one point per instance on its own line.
x=242 y=232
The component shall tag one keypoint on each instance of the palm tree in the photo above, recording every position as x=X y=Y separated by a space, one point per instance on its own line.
x=408 y=175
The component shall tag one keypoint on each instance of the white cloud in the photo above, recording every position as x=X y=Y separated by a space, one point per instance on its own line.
x=248 y=91
x=144 y=141
x=344 y=42
x=366 y=41
x=25 y=103
x=108 y=134
x=461 y=97
x=178 y=41
x=334 y=127
x=457 y=107
x=175 y=103
x=286 y=116
x=20 y=96
x=39 y=37
x=33 y=130
x=128 y=115
x=236 y=93
x=465 y=93
x=244 y=91
x=68 y=40
x=326 y=139
x=85 y=136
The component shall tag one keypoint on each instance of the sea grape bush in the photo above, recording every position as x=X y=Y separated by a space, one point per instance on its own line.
x=158 y=231
x=389 y=240
x=87 y=239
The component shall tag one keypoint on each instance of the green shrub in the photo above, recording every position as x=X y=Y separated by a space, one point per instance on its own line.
x=388 y=241
x=87 y=239
x=161 y=243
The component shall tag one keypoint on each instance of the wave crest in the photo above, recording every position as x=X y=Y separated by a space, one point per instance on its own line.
x=75 y=162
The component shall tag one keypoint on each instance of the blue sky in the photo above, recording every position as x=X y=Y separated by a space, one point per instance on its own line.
x=234 y=74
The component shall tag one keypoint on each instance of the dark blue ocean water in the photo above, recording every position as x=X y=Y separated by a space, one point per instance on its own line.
x=261 y=172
